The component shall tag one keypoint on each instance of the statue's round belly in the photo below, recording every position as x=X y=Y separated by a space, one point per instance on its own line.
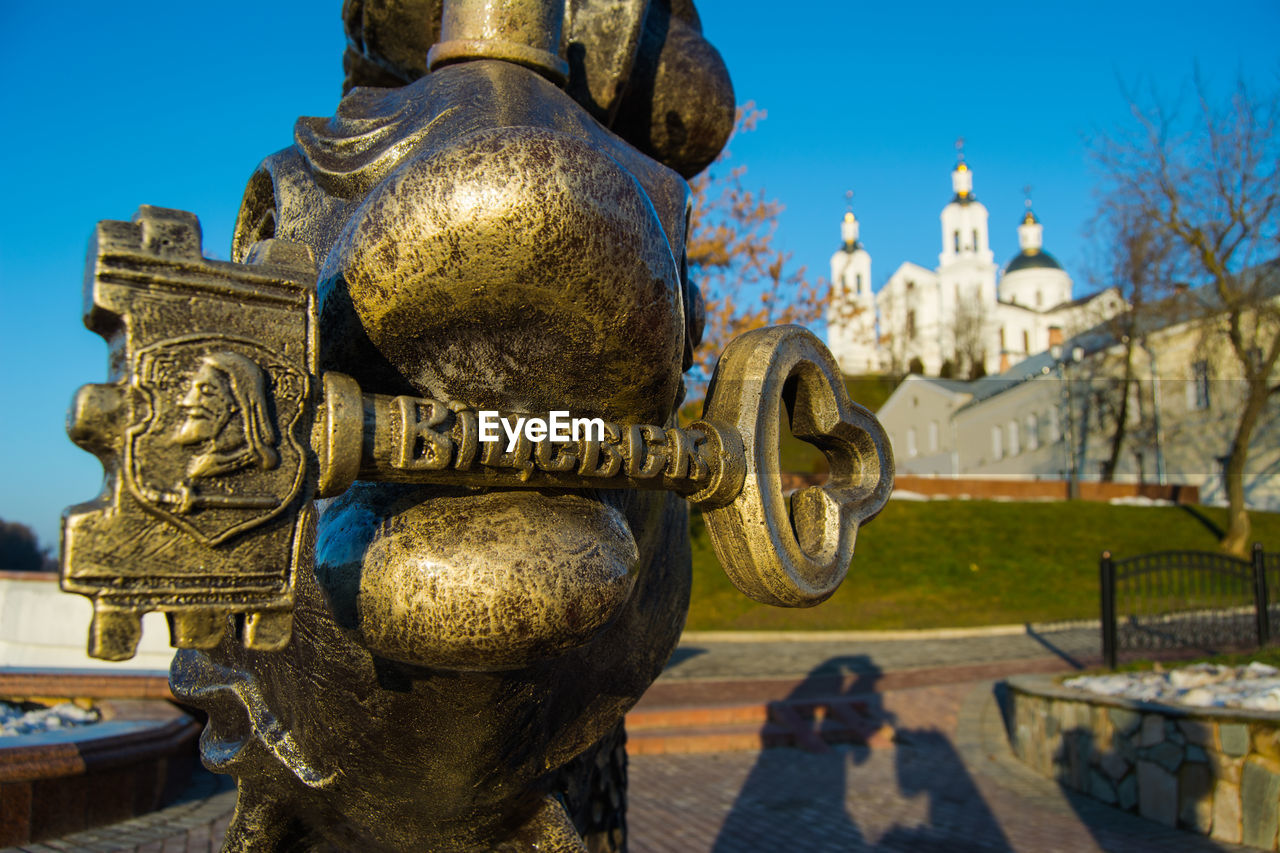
x=474 y=581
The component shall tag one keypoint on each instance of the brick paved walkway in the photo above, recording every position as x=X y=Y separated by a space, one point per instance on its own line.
x=953 y=787
x=948 y=782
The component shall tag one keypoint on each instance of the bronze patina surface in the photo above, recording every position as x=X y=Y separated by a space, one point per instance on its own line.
x=408 y=636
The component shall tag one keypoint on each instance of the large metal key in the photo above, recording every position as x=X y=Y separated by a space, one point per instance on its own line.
x=217 y=432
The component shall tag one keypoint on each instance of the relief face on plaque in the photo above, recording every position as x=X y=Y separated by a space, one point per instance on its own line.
x=211 y=446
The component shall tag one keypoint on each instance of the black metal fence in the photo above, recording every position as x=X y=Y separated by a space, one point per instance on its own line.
x=1188 y=599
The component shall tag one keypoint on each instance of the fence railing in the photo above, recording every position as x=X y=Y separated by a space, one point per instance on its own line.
x=1196 y=599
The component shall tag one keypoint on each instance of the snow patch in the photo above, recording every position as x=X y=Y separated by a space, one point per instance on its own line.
x=15 y=721
x=1255 y=687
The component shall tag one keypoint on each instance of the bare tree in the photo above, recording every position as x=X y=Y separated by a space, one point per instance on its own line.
x=1136 y=261
x=1209 y=181
x=970 y=333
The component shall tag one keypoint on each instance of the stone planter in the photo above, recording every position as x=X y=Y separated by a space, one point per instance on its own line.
x=137 y=759
x=1208 y=770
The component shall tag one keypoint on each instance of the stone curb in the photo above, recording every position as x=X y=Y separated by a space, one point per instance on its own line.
x=1050 y=686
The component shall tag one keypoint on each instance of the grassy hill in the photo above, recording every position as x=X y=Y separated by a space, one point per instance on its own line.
x=802 y=458
x=930 y=564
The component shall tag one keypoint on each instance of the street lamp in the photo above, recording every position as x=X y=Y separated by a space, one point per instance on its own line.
x=1064 y=380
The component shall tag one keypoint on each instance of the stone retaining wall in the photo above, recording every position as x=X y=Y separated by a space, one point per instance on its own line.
x=1212 y=771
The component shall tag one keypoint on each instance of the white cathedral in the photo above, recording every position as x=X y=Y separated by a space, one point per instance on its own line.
x=958 y=318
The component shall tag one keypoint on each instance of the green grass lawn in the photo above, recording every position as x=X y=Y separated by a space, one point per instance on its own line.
x=803 y=458
x=932 y=564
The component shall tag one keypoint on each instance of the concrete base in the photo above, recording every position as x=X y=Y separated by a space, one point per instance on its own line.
x=42 y=627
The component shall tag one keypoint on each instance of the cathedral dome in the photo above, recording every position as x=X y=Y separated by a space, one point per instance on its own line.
x=1031 y=241
x=1030 y=260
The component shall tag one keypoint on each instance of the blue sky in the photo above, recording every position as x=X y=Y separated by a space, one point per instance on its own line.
x=113 y=105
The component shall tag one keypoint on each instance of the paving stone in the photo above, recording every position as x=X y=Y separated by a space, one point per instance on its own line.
x=1260 y=803
x=1100 y=788
x=1125 y=721
x=1225 y=767
x=1195 y=797
x=1152 y=730
x=1127 y=791
x=1114 y=764
x=1168 y=755
x=1226 y=812
x=1157 y=793
x=1266 y=740
x=1197 y=732
x=1234 y=738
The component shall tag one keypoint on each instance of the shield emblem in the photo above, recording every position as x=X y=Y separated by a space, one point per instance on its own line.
x=212 y=447
x=203 y=429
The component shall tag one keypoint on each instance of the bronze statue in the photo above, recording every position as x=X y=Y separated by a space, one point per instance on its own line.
x=431 y=292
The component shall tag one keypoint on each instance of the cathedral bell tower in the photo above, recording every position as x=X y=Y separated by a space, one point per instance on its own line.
x=851 y=313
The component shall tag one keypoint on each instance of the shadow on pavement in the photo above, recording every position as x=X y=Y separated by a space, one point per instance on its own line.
x=1044 y=640
x=797 y=801
x=682 y=654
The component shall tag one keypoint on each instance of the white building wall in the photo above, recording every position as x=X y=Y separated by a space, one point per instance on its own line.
x=851 y=315
x=917 y=418
x=43 y=627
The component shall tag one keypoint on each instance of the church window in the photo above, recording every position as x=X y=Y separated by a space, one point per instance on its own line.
x=1055 y=426
x=997 y=442
x=1014 y=449
x=911 y=325
x=1039 y=298
x=911 y=441
x=955 y=239
x=1026 y=341
x=1033 y=432
x=976 y=247
x=857 y=283
x=1002 y=339
x=1198 y=391
x=933 y=436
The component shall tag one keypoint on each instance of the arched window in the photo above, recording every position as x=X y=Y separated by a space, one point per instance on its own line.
x=1014 y=448
x=976 y=247
x=997 y=442
x=955 y=239
x=1033 y=432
